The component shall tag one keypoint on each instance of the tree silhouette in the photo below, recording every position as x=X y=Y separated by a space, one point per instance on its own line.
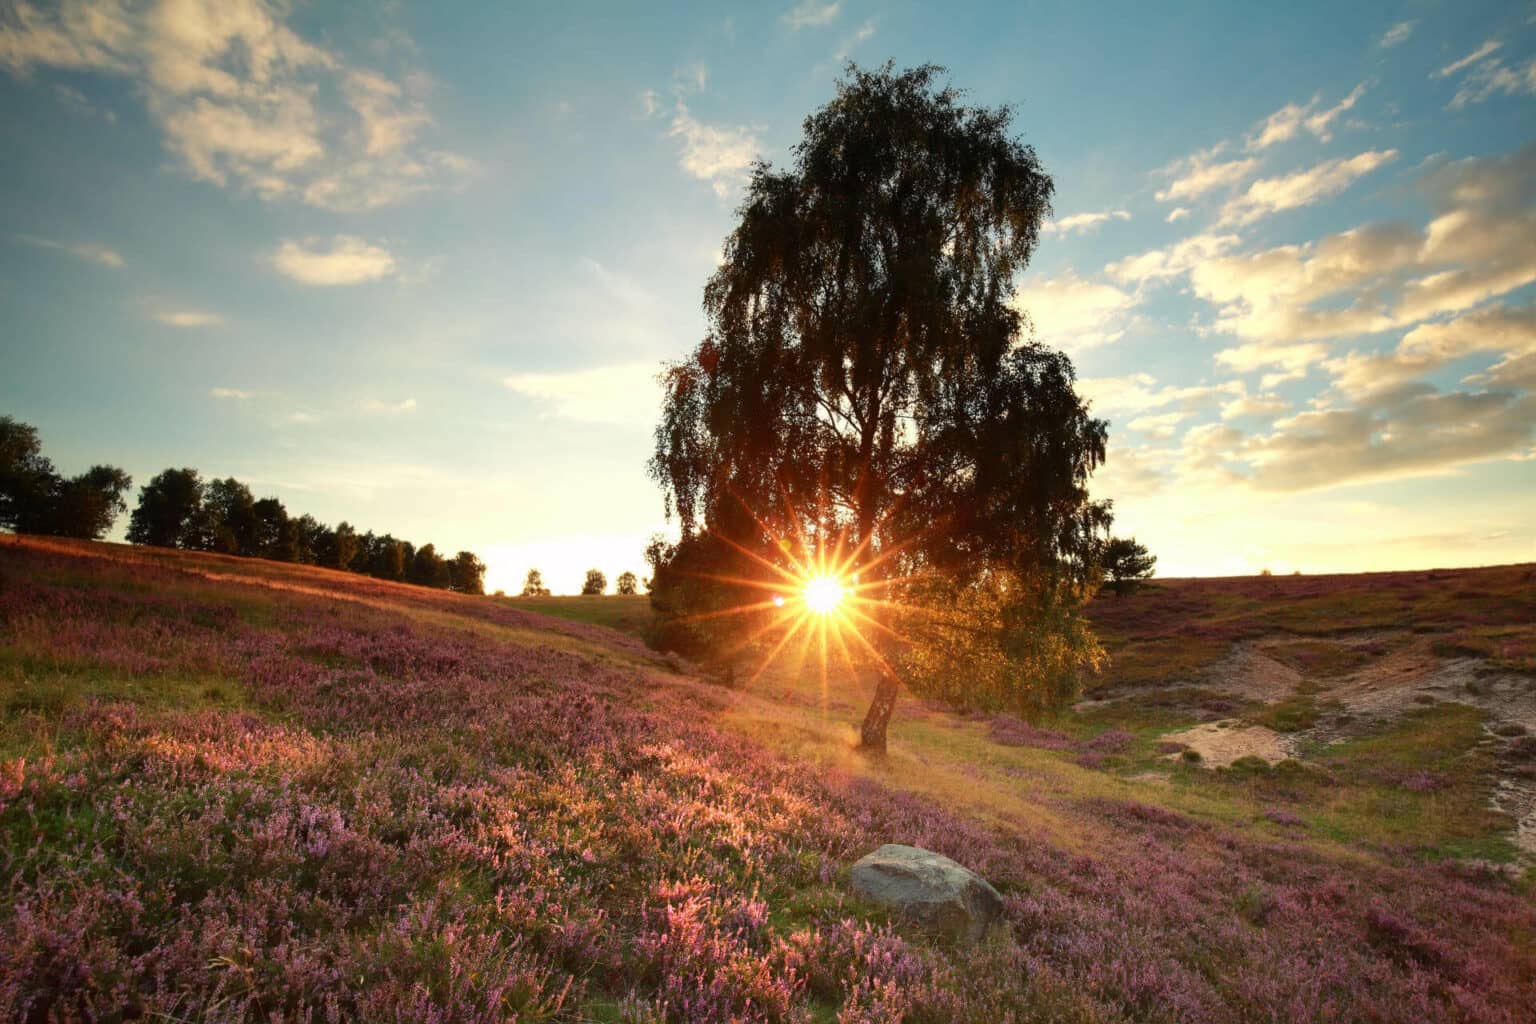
x=35 y=499
x=169 y=513
x=1126 y=563
x=594 y=584
x=86 y=506
x=229 y=523
x=864 y=374
x=533 y=586
x=467 y=573
x=627 y=584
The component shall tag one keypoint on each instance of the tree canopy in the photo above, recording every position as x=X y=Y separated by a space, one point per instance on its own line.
x=1126 y=563
x=594 y=584
x=34 y=498
x=866 y=378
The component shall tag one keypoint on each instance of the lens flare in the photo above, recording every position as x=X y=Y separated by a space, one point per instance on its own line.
x=823 y=594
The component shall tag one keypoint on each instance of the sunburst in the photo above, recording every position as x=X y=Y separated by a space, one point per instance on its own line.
x=831 y=597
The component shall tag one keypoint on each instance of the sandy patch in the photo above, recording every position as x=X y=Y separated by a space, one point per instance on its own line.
x=1221 y=743
x=1249 y=672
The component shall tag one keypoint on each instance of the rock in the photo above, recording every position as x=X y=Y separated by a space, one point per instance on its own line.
x=929 y=889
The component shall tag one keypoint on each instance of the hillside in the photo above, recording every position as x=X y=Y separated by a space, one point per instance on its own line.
x=238 y=790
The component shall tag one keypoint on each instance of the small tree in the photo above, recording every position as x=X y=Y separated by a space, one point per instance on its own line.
x=534 y=586
x=628 y=584
x=1126 y=563
x=169 y=512
x=467 y=573
x=595 y=583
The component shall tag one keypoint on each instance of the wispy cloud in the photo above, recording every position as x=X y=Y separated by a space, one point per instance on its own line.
x=1398 y=33
x=1204 y=172
x=188 y=318
x=243 y=100
x=718 y=155
x=625 y=394
x=375 y=407
x=1302 y=188
x=849 y=43
x=1472 y=58
x=811 y=14
x=90 y=251
x=1081 y=223
x=233 y=394
x=1490 y=77
x=346 y=259
x=1293 y=118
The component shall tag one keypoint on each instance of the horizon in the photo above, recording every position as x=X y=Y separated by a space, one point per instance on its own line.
x=418 y=273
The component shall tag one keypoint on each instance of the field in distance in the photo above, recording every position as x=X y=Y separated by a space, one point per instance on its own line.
x=235 y=789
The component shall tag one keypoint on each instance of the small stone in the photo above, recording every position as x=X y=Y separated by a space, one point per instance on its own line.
x=930 y=890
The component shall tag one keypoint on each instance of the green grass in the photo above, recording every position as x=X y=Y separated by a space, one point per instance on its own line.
x=626 y=613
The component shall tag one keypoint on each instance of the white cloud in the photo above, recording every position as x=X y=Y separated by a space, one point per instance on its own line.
x=1480 y=244
x=91 y=251
x=720 y=156
x=243 y=100
x=377 y=408
x=1176 y=214
x=1265 y=405
x=1398 y=33
x=1291 y=119
x=1302 y=188
x=1196 y=175
x=1492 y=77
x=346 y=260
x=188 y=318
x=650 y=103
x=811 y=14
x=1508 y=332
x=1081 y=223
x=1160 y=426
x=860 y=34
x=1472 y=58
x=1138 y=393
x=1073 y=314
x=1173 y=261
x=230 y=393
x=1409 y=432
x=625 y=394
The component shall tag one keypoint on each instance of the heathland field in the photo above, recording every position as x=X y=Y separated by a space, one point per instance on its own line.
x=232 y=789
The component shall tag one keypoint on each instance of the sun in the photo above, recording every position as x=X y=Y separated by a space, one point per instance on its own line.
x=823 y=594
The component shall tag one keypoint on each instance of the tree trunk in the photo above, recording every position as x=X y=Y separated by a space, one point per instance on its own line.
x=872 y=732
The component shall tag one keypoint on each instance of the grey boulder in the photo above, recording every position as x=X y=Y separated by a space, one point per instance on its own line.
x=929 y=889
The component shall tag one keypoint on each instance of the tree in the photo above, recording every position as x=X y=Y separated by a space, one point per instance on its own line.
x=169 y=512
x=428 y=569
x=627 y=584
x=340 y=548
x=1126 y=563
x=275 y=535
x=26 y=477
x=533 y=586
x=230 y=525
x=865 y=378
x=467 y=573
x=594 y=584
x=86 y=506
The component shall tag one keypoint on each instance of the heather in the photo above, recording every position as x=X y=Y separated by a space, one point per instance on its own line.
x=292 y=795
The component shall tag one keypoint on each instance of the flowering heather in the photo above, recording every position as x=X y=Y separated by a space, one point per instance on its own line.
x=230 y=799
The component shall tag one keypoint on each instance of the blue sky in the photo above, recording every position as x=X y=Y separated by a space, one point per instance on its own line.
x=415 y=266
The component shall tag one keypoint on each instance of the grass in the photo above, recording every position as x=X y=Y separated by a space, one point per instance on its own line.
x=269 y=781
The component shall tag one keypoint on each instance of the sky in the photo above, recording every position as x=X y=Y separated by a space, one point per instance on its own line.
x=416 y=266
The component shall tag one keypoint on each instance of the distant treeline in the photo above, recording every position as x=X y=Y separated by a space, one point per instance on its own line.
x=179 y=510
